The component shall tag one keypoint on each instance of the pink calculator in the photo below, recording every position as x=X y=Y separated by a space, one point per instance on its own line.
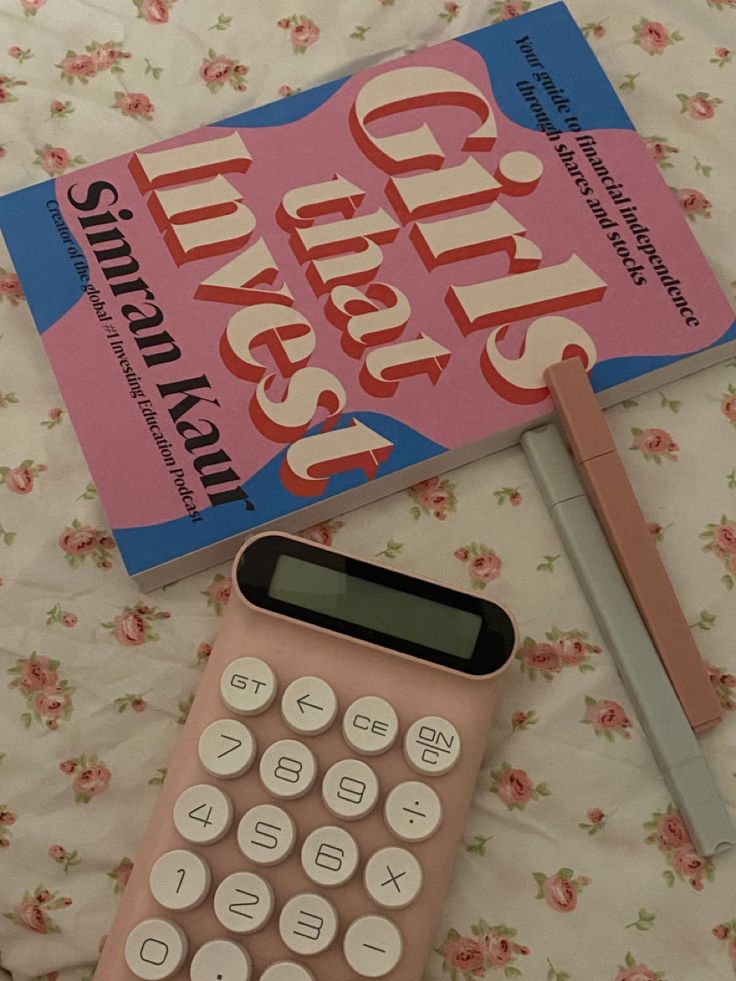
x=314 y=802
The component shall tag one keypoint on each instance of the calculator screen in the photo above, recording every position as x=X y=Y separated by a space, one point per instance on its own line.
x=375 y=605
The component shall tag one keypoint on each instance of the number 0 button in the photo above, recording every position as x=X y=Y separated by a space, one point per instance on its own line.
x=248 y=686
x=432 y=746
x=203 y=814
x=155 y=950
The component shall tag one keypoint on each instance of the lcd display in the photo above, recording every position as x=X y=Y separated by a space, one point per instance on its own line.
x=377 y=607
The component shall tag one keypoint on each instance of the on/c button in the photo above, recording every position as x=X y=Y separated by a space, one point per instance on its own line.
x=370 y=725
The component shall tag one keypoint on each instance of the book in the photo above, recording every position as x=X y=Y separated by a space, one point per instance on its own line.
x=279 y=317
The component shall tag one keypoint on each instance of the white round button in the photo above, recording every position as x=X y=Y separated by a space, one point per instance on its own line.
x=155 y=949
x=288 y=769
x=432 y=746
x=350 y=789
x=179 y=880
x=286 y=971
x=330 y=856
x=393 y=878
x=413 y=811
x=266 y=834
x=309 y=706
x=226 y=748
x=248 y=686
x=308 y=924
x=370 y=725
x=243 y=902
x=223 y=960
x=373 y=946
x=203 y=814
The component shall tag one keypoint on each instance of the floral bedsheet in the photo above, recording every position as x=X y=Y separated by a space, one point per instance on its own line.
x=574 y=866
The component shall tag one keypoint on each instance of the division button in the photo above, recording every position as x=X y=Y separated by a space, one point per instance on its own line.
x=248 y=686
x=203 y=814
x=373 y=946
x=179 y=880
x=155 y=950
x=370 y=725
x=413 y=811
x=330 y=856
x=227 y=748
x=243 y=902
x=432 y=746
x=393 y=878
x=350 y=789
x=308 y=924
x=266 y=834
x=221 y=960
x=309 y=706
x=286 y=971
x=288 y=769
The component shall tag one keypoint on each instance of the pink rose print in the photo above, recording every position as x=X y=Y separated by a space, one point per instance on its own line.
x=203 y=653
x=68 y=766
x=721 y=931
x=92 y=778
x=451 y=10
x=488 y=947
x=660 y=150
x=693 y=202
x=133 y=626
x=483 y=564
x=727 y=931
x=522 y=720
x=721 y=540
x=55 y=160
x=60 y=109
x=79 y=541
x=31 y=7
x=728 y=404
x=323 y=534
x=561 y=889
x=501 y=10
x=515 y=788
x=631 y=971
x=154 y=11
x=81 y=66
x=32 y=912
x=130 y=701
x=10 y=288
x=21 y=479
x=510 y=494
x=538 y=657
x=699 y=106
x=303 y=32
x=667 y=830
x=64 y=858
x=653 y=37
x=55 y=416
x=596 y=820
x=57 y=852
x=607 y=717
x=723 y=56
x=724 y=684
x=654 y=444
x=216 y=70
x=134 y=104
x=434 y=496
x=573 y=647
x=48 y=698
x=95 y=58
x=7 y=820
x=64 y=617
x=8 y=82
x=595 y=28
x=218 y=593
x=120 y=875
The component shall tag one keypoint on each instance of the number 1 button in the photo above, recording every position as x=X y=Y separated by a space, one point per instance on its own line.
x=179 y=880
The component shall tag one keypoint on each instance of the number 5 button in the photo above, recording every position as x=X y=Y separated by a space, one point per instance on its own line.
x=432 y=746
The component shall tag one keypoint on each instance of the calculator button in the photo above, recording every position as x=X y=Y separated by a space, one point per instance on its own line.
x=308 y=924
x=203 y=814
x=221 y=960
x=413 y=811
x=226 y=748
x=370 y=725
x=286 y=971
x=373 y=946
x=432 y=746
x=393 y=878
x=266 y=834
x=243 y=902
x=330 y=856
x=155 y=949
x=248 y=686
x=350 y=789
x=179 y=880
x=288 y=769
x=309 y=706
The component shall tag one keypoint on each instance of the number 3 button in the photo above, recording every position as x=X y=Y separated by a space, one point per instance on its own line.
x=203 y=814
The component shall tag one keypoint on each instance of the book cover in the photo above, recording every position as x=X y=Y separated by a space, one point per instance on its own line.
x=301 y=308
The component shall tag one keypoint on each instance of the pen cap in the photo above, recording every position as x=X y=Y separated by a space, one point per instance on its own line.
x=578 y=409
x=544 y=449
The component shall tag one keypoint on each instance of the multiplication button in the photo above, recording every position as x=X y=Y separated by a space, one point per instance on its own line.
x=309 y=706
x=432 y=746
x=373 y=946
x=155 y=949
x=413 y=811
x=370 y=725
x=393 y=878
x=248 y=686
